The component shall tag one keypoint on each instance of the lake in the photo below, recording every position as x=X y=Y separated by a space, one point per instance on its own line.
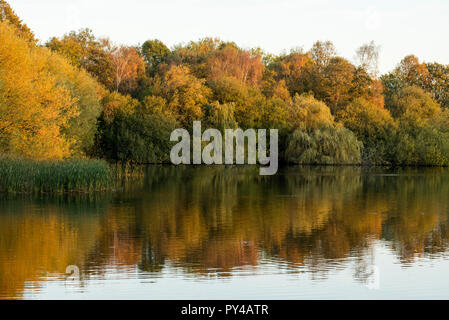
x=229 y=233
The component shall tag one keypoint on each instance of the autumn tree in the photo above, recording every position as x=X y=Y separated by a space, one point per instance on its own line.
x=414 y=104
x=413 y=72
x=439 y=82
x=331 y=79
x=336 y=83
x=33 y=108
x=367 y=58
x=247 y=100
x=129 y=69
x=322 y=52
x=114 y=102
x=8 y=14
x=185 y=94
x=273 y=113
x=85 y=51
x=54 y=102
x=195 y=54
x=272 y=88
x=366 y=87
x=374 y=126
x=340 y=82
x=295 y=69
x=431 y=77
x=87 y=95
x=409 y=72
x=231 y=61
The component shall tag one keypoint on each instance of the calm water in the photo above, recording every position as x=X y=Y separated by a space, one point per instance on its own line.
x=227 y=233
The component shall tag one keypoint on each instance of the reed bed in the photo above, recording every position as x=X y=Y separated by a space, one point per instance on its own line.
x=27 y=176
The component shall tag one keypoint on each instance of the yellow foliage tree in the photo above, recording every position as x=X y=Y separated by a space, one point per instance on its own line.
x=185 y=94
x=87 y=95
x=8 y=14
x=308 y=113
x=33 y=108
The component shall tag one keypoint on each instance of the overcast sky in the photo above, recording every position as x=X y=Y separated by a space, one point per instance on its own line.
x=400 y=27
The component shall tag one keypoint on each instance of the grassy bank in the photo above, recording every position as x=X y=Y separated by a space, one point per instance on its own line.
x=27 y=176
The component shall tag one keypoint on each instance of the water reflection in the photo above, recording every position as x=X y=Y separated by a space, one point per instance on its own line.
x=217 y=222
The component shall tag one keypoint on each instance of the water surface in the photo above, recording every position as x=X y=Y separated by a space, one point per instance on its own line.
x=228 y=233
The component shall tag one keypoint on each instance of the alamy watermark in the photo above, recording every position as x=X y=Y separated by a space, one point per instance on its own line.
x=212 y=153
x=73 y=273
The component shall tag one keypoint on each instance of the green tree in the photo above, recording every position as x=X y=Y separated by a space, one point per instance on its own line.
x=374 y=126
x=317 y=138
x=247 y=100
x=329 y=146
x=422 y=137
x=133 y=133
x=154 y=53
x=413 y=104
x=219 y=116
x=308 y=113
x=421 y=144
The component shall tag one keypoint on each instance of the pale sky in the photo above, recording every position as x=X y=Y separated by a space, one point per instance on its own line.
x=400 y=27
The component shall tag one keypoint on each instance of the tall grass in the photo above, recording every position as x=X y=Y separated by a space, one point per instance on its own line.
x=27 y=176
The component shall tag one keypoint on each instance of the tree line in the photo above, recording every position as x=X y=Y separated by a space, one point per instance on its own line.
x=83 y=96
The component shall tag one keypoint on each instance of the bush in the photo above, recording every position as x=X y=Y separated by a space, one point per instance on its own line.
x=136 y=138
x=421 y=145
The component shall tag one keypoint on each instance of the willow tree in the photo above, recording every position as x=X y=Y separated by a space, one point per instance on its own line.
x=318 y=139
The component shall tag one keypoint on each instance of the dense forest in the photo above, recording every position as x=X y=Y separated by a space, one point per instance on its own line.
x=80 y=96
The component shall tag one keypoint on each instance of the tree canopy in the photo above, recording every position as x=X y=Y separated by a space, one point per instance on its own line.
x=80 y=95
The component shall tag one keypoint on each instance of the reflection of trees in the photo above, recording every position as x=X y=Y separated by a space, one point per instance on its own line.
x=209 y=220
x=307 y=216
x=417 y=224
x=41 y=237
x=217 y=220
